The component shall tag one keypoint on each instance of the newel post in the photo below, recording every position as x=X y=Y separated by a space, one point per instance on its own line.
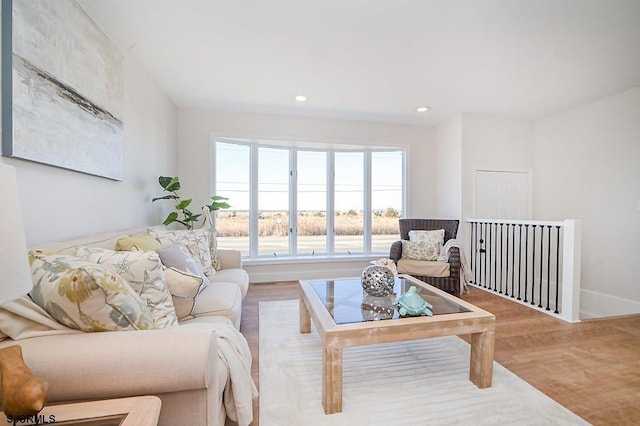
x=571 y=255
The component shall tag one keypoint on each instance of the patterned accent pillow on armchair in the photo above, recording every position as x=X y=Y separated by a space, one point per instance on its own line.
x=419 y=251
x=423 y=245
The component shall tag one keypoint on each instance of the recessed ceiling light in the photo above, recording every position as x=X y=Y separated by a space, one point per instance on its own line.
x=301 y=98
x=423 y=109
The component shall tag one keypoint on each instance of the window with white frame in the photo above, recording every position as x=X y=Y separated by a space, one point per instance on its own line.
x=308 y=200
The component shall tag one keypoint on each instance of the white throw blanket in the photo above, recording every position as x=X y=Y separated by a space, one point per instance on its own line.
x=23 y=319
x=239 y=390
x=465 y=273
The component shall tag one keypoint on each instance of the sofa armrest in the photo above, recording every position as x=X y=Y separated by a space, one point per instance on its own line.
x=230 y=259
x=124 y=363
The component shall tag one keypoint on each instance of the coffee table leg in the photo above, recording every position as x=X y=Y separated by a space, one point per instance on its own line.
x=481 y=364
x=305 y=318
x=332 y=380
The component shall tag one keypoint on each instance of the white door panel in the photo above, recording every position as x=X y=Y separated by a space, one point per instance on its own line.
x=502 y=194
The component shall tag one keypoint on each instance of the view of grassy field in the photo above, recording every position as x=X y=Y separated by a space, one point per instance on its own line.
x=233 y=231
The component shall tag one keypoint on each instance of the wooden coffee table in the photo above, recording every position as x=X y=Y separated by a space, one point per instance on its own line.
x=336 y=308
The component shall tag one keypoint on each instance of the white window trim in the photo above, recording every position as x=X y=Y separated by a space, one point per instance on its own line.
x=294 y=147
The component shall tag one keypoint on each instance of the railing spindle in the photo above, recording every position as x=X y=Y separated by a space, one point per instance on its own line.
x=485 y=255
x=557 y=267
x=548 y=265
x=473 y=251
x=519 y=260
x=526 y=263
x=500 y=251
x=533 y=266
x=513 y=259
x=490 y=251
x=541 y=264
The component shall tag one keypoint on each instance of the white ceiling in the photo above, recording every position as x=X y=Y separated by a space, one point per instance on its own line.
x=380 y=59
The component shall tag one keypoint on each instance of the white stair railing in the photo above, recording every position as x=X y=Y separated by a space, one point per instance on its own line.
x=535 y=263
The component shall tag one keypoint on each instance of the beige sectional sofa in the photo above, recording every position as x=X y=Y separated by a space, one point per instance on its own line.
x=200 y=368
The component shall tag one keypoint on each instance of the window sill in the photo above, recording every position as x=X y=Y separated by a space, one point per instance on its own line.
x=289 y=260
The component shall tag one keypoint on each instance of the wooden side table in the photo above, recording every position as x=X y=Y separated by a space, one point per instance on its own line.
x=134 y=411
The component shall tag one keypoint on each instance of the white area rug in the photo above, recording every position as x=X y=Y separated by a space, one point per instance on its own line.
x=409 y=383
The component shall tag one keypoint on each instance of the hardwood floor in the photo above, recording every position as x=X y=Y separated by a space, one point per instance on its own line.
x=592 y=368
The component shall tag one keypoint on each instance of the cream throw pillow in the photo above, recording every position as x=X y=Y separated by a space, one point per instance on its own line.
x=196 y=240
x=143 y=272
x=184 y=288
x=142 y=242
x=85 y=296
x=178 y=256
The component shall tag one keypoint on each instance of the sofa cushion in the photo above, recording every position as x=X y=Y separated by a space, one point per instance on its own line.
x=86 y=296
x=196 y=241
x=143 y=271
x=184 y=288
x=220 y=299
x=424 y=268
x=236 y=275
x=105 y=240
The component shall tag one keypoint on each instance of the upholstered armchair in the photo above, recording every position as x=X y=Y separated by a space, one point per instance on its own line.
x=445 y=276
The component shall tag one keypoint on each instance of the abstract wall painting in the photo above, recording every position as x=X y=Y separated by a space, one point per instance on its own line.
x=63 y=101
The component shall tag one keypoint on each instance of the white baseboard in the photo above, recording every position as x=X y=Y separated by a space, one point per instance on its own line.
x=598 y=305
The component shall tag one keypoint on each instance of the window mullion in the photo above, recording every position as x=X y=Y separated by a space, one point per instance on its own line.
x=253 y=207
x=367 y=201
x=293 y=201
x=331 y=201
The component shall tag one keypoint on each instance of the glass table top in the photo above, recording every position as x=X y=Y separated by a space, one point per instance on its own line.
x=348 y=303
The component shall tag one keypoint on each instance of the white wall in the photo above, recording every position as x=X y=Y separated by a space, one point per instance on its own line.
x=496 y=143
x=59 y=204
x=197 y=127
x=588 y=167
x=449 y=169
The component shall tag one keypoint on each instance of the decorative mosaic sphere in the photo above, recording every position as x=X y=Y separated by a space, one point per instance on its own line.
x=378 y=280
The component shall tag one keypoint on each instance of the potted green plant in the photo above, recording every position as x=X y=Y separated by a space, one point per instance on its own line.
x=182 y=214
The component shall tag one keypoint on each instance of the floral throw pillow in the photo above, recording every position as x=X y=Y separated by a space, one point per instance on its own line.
x=434 y=240
x=196 y=241
x=143 y=272
x=419 y=251
x=86 y=296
